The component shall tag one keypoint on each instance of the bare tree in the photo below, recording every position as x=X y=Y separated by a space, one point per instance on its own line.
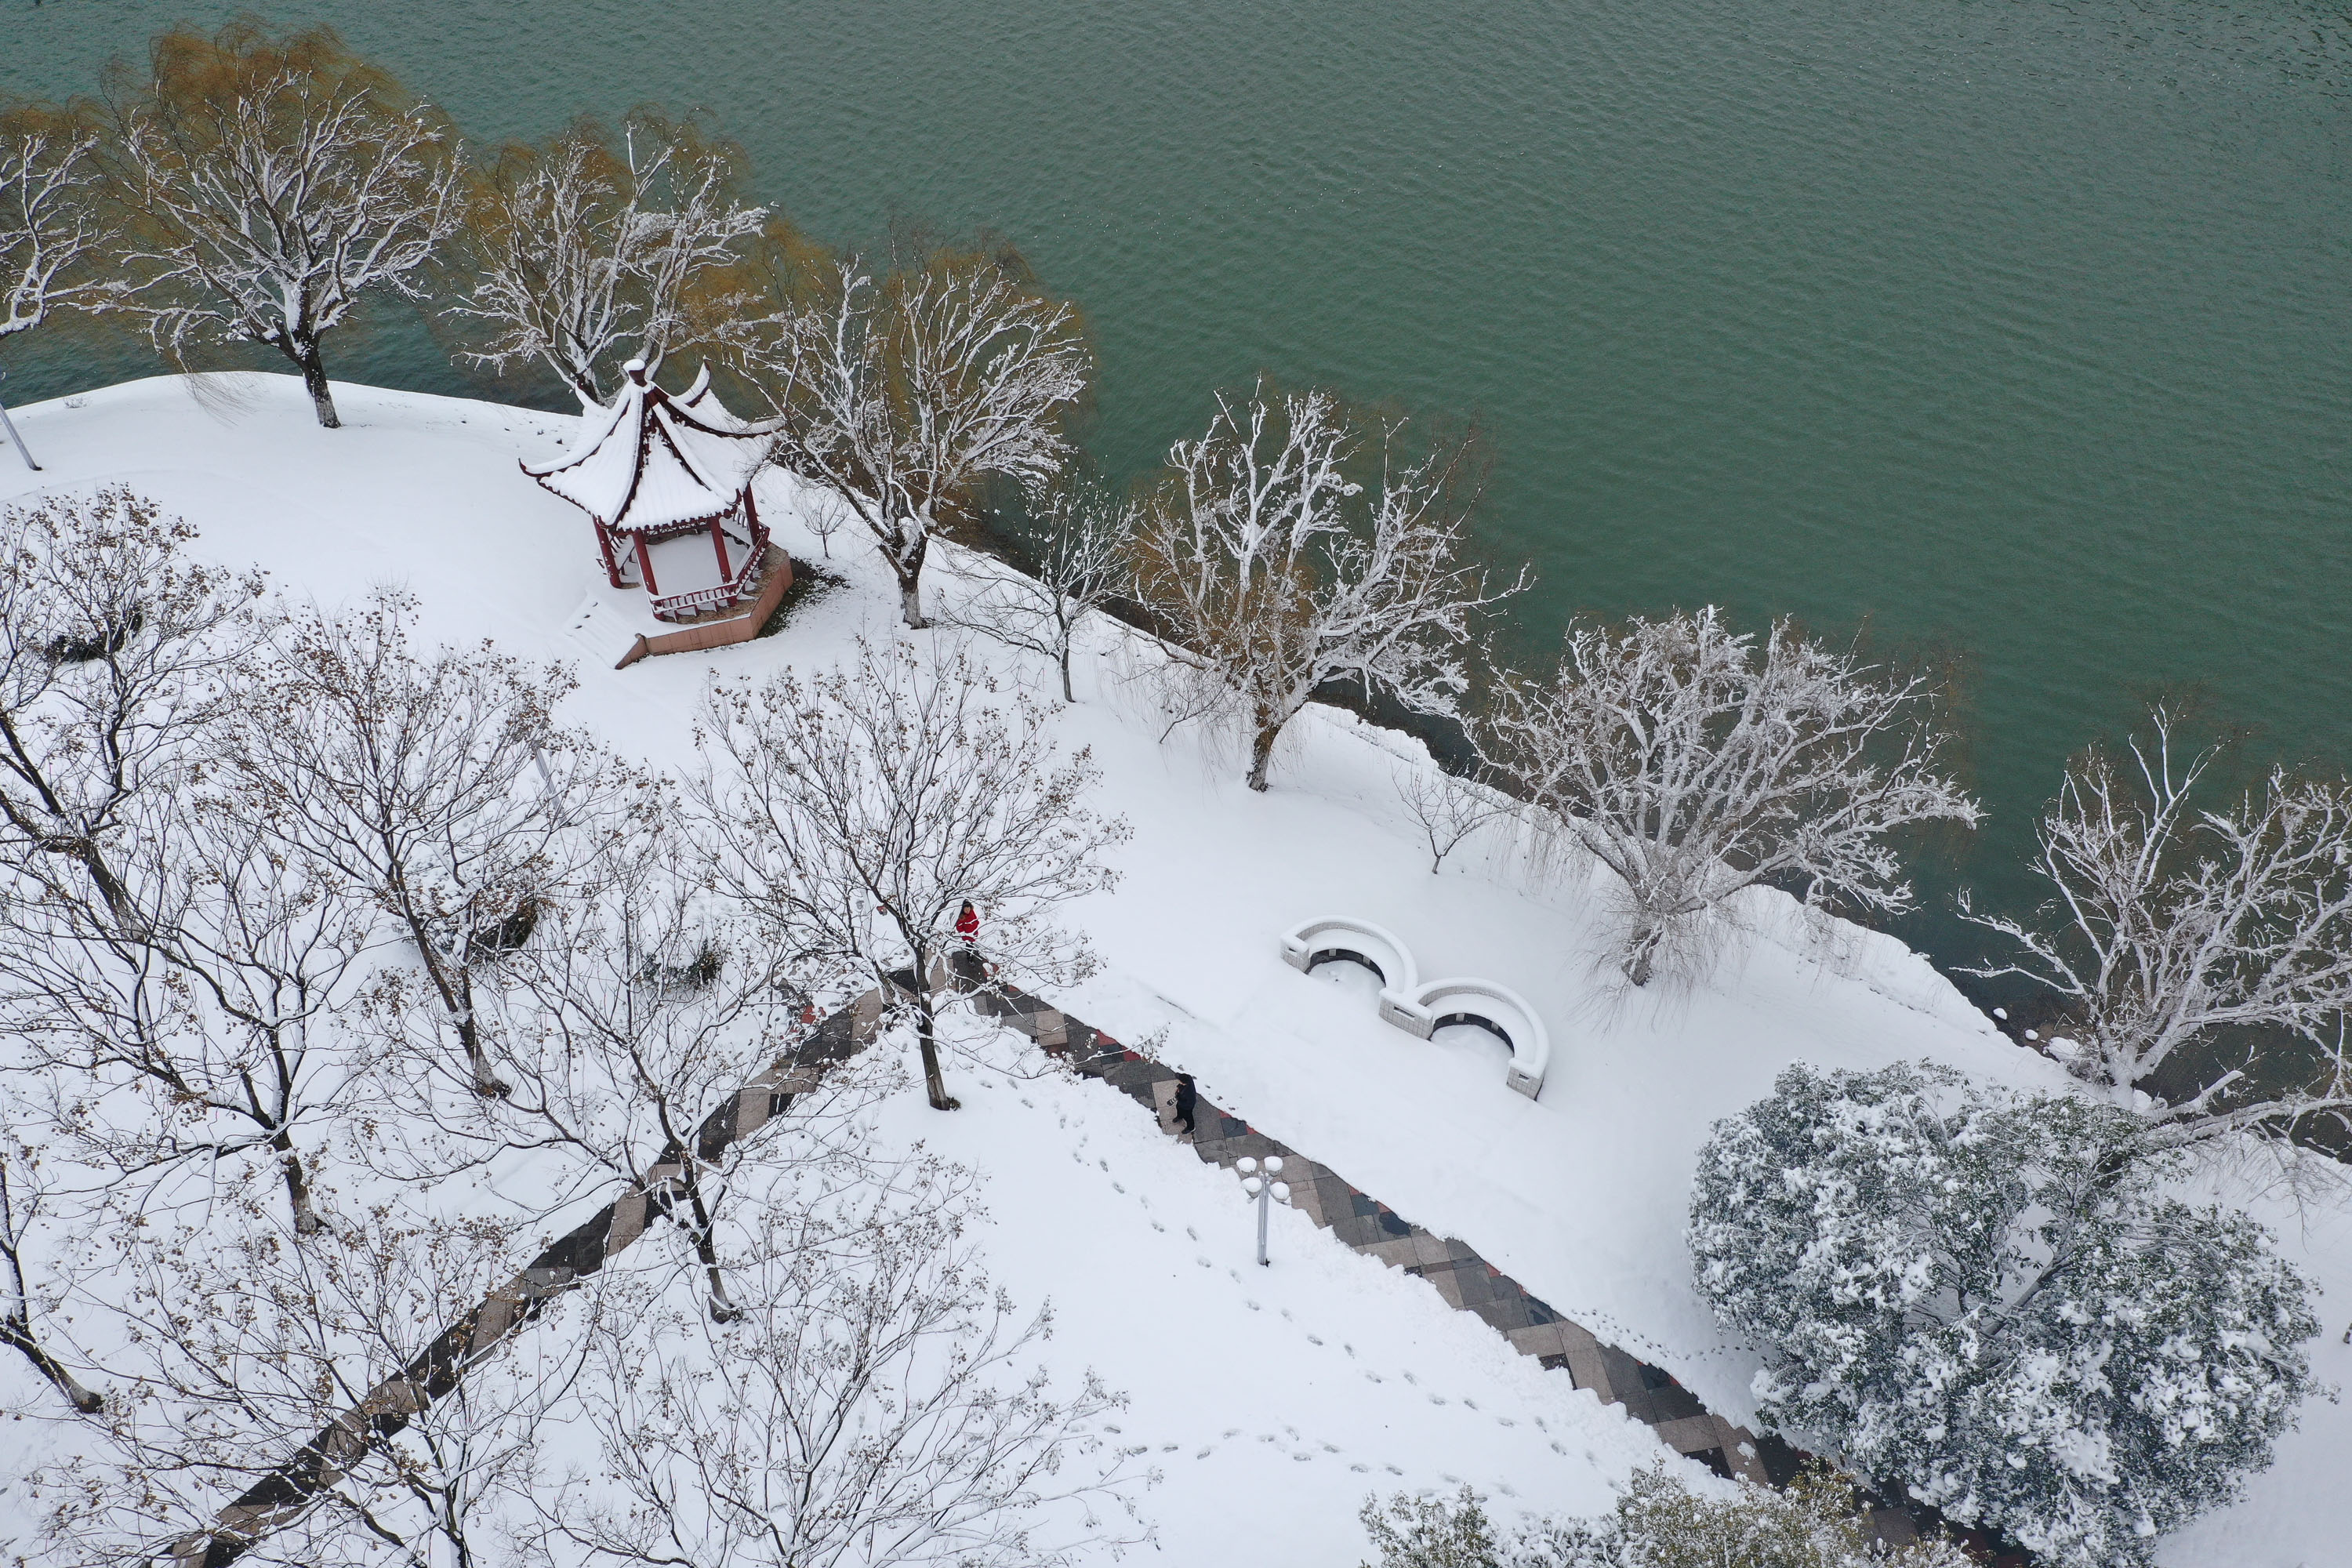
x=1079 y=562
x=856 y=812
x=113 y=649
x=1297 y=545
x=199 y=1026
x=24 y=1200
x=582 y=252
x=1695 y=763
x=1448 y=810
x=237 y=1347
x=871 y=1409
x=441 y=784
x=50 y=232
x=2181 y=922
x=910 y=395
x=630 y=1022
x=264 y=185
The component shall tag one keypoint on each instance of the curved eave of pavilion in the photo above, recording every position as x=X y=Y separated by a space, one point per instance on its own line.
x=660 y=418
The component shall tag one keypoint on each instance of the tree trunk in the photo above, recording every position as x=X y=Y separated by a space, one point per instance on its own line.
x=910 y=601
x=298 y=1185
x=1641 y=954
x=1068 y=696
x=722 y=1309
x=314 y=379
x=907 y=560
x=12 y=1333
x=935 y=1083
x=1262 y=751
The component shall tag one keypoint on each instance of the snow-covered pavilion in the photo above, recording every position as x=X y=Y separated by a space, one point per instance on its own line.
x=668 y=482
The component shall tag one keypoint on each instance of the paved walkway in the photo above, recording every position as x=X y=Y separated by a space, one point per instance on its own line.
x=1451 y=1267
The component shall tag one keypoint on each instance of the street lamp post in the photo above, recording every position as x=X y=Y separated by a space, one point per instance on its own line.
x=1265 y=1190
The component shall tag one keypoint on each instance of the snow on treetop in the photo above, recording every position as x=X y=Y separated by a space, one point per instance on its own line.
x=651 y=460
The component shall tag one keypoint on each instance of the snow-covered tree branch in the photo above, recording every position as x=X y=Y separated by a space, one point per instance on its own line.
x=1299 y=543
x=1694 y=762
x=583 y=251
x=631 y=1019
x=1989 y=1300
x=857 y=810
x=50 y=230
x=909 y=393
x=2181 y=921
x=1078 y=562
x=440 y=784
x=242 y=1347
x=264 y=185
x=879 y=1403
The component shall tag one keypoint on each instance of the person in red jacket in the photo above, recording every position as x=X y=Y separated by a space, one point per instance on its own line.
x=967 y=924
x=967 y=962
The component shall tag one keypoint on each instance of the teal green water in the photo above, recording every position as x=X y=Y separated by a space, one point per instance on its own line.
x=2013 y=328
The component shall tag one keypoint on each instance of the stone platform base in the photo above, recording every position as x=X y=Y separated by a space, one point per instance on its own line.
x=740 y=624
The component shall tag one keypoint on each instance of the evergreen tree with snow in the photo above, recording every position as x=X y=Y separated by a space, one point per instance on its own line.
x=1990 y=1301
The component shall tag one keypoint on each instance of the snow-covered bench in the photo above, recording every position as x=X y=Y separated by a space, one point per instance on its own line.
x=1497 y=1009
x=1315 y=941
x=1421 y=1009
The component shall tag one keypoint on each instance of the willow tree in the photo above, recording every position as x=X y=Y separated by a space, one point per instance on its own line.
x=907 y=393
x=1301 y=544
x=263 y=184
x=50 y=232
x=590 y=247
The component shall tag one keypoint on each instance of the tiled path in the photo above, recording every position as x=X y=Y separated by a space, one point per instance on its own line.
x=1457 y=1273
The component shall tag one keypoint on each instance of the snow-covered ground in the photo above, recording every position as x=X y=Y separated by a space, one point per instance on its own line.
x=1272 y=1400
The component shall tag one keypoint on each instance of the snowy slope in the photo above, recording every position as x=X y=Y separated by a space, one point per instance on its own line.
x=1580 y=1197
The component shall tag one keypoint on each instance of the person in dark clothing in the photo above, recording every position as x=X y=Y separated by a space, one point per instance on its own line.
x=1187 y=1103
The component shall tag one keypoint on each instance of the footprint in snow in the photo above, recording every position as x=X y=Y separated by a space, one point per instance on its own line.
x=1232 y=1431
x=1558 y=1449
x=1203 y=1262
x=1504 y=1488
x=1191 y=1232
x=1472 y=1403
x=1392 y=1469
x=1361 y=1469
x=1500 y=1420
x=1117 y=1188
x=1408 y=1377
x=1207 y=1452
x=1301 y=1458
x=1329 y=1448
x=1029 y=1103
x=1169 y=1447
x=1437 y=1399
x=1311 y=1339
x=1266 y=1436
x=1158 y=1227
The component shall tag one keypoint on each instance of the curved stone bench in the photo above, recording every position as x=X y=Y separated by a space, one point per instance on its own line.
x=1421 y=1009
x=1499 y=1010
x=1315 y=941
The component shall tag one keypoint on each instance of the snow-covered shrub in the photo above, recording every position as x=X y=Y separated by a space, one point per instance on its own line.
x=1695 y=763
x=1985 y=1299
x=1658 y=1523
x=2179 y=916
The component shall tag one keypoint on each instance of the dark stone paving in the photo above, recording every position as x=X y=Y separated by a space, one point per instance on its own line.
x=1452 y=1268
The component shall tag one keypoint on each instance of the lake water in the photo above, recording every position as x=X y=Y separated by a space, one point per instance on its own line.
x=2017 y=330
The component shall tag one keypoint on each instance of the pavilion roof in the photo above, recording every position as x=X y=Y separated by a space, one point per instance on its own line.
x=652 y=460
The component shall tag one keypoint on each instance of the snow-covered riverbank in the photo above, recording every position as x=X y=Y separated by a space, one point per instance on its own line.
x=1579 y=1195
